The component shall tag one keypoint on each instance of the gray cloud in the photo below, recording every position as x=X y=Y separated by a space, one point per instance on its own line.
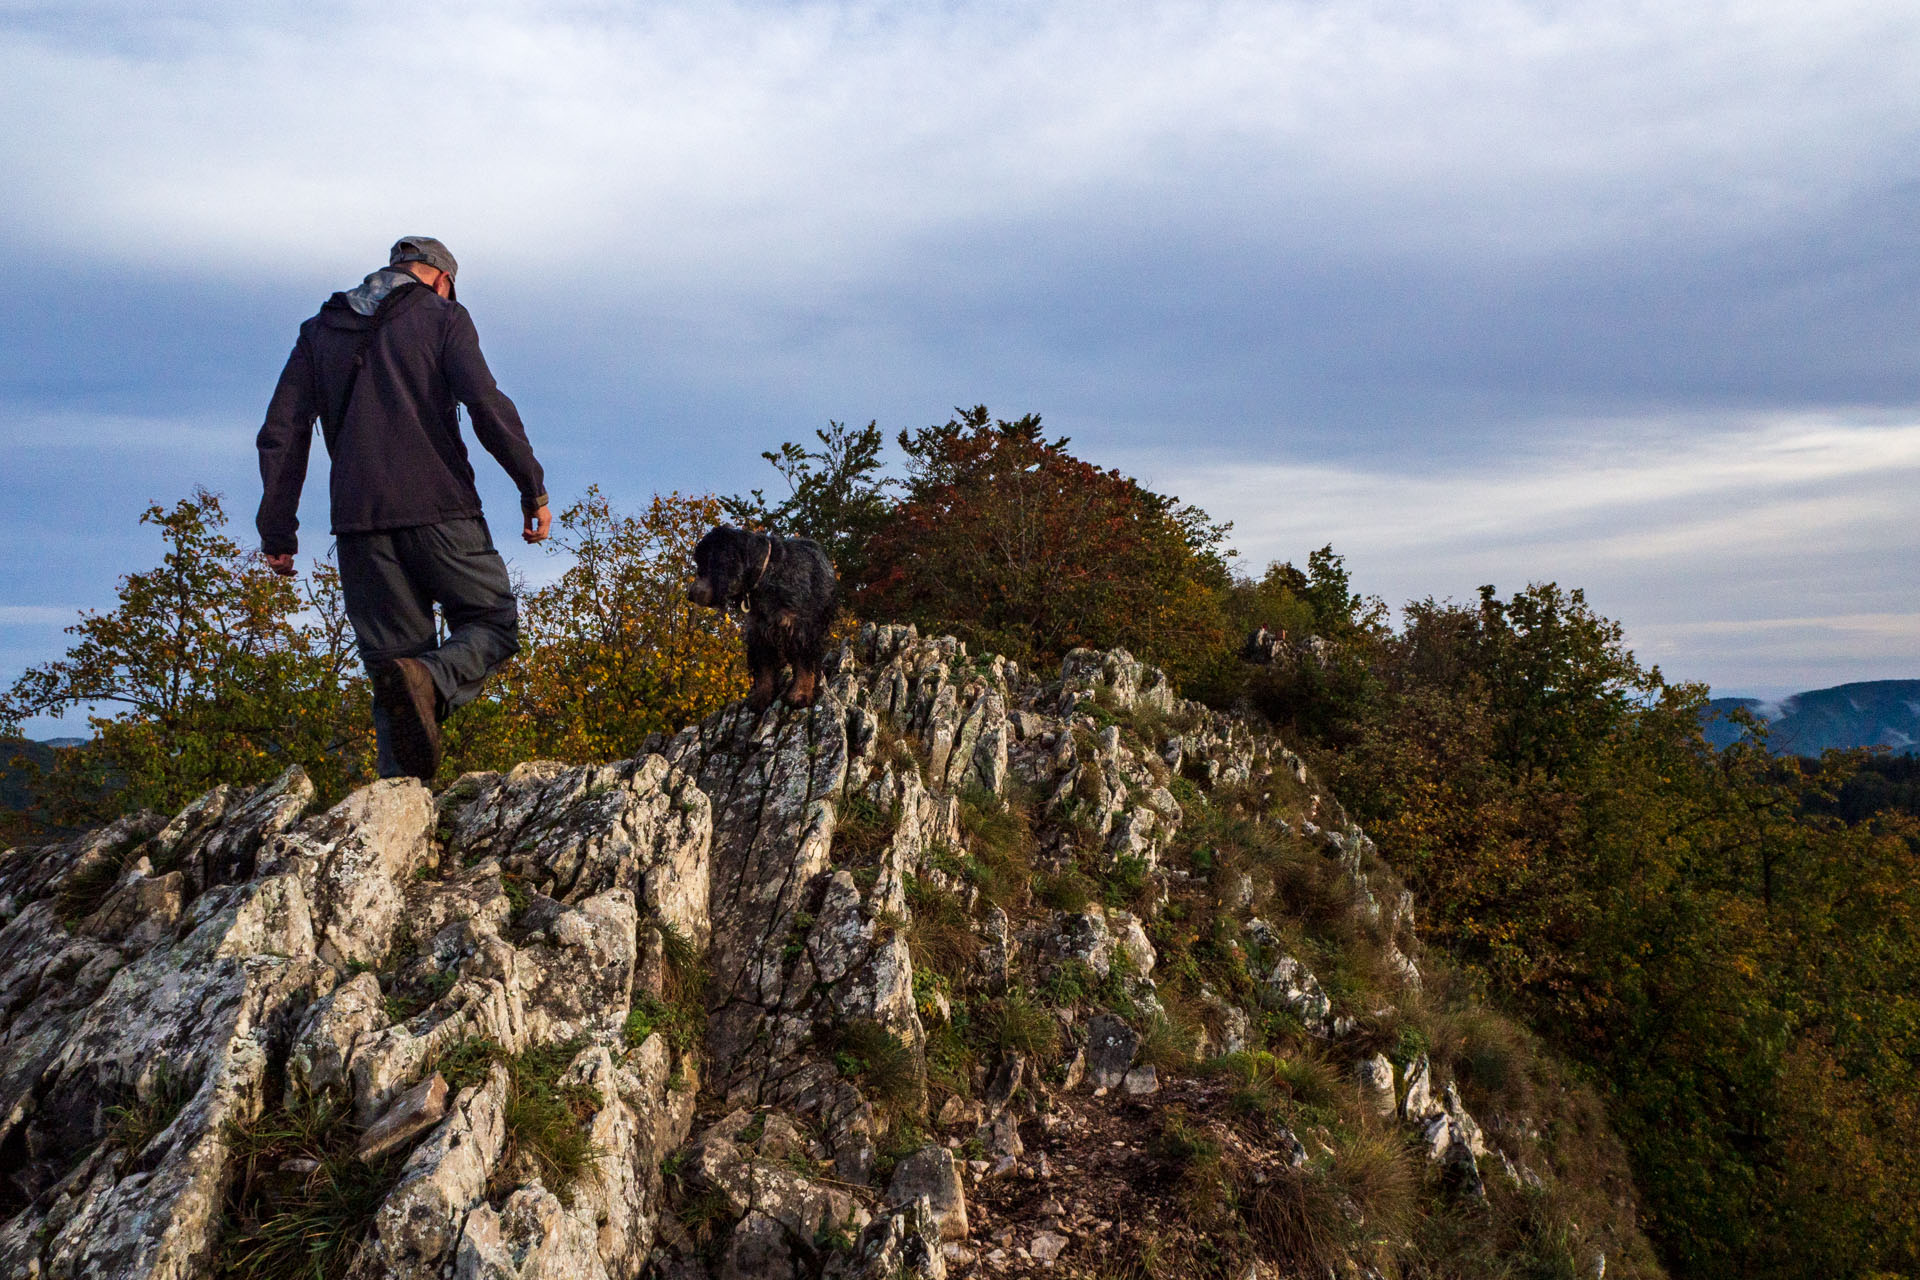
x=1336 y=245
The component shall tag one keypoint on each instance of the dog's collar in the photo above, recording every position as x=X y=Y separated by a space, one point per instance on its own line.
x=746 y=595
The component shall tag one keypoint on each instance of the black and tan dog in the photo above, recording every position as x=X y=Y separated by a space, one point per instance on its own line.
x=786 y=591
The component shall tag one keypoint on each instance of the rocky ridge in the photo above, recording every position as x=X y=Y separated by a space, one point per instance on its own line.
x=867 y=989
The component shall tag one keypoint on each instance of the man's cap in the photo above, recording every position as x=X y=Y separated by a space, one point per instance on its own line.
x=423 y=249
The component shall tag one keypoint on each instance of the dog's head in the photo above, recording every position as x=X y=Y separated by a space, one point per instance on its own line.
x=726 y=565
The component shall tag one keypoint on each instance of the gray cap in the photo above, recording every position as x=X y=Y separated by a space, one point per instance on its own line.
x=423 y=249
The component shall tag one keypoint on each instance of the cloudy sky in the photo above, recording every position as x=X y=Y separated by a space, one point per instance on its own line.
x=1621 y=295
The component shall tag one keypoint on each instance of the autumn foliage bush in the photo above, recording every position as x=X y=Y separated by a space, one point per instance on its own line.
x=1739 y=972
x=210 y=669
x=1005 y=538
x=611 y=650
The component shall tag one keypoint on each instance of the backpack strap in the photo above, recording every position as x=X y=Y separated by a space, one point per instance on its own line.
x=381 y=315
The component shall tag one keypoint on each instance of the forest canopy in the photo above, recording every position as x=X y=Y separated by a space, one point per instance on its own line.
x=1726 y=941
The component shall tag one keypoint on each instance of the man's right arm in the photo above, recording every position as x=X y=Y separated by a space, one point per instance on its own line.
x=284 y=440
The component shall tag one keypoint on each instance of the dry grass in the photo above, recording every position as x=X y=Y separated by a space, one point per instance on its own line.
x=1015 y=1024
x=144 y=1117
x=999 y=833
x=940 y=936
x=861 y=832
x=301 y=1202
x=1170 y=1038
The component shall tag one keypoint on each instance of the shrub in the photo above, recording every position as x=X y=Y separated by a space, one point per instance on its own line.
x=612 y=650
x=209 y=669
x=1127 y=882
x=1005 y=538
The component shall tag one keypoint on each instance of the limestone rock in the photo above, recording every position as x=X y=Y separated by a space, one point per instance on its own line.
x=419 y=1224
x=534 y=1237
x=1375 y=1077
x=1111 y=1045
x=356 y=861
x=1293 y=985
x=759 y=1249
x=900 y=1245
x=572 y=833
x=930 y=1173
x=1047 y=1245
x=410 y=1115
x=324 y=1046
x=201 y=1011
x=1417 y=1104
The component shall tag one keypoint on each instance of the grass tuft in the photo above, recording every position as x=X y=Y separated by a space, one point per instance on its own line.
x=940 y=936
x=543 y=1116
x=1269 y=1089
x=883 y=1065
x=1068 y=891
x=861 y=832
x=301 y=1202
x=999 y=830
x=132 y=1125
x=1015 y=1024
x=1170 y=1038
x=87 y=889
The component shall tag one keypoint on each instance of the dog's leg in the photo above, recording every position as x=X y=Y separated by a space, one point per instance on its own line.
x=763 y=662
x=805 y=686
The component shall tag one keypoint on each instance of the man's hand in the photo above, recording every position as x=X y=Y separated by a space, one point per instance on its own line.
x=539 y=524
x=282 y=565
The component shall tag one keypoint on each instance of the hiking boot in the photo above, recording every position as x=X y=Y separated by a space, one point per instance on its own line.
x=404 y=689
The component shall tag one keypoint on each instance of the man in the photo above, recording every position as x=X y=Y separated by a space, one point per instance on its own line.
x=384 y=367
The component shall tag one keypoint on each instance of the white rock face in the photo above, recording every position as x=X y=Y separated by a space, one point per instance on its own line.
x=417 y=1227
x=1293 y=985
x=930 y=1173
x=357 y=860
x=1375 y=1078
x=239 y=936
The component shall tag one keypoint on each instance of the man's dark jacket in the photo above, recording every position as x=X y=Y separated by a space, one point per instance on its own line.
x=398 y=460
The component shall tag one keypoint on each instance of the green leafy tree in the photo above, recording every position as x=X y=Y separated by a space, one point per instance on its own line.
x=836 y=495
x=209 y=669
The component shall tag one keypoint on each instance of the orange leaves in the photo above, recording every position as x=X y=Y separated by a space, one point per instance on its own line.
x=611 y=651
x=1009 y=540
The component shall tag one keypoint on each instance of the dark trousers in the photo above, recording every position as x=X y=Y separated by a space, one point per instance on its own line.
x=392 y=579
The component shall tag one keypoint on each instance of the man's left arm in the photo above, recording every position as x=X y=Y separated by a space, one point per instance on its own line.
x=496 y=423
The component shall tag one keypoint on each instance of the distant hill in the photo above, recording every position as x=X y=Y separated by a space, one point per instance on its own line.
x=1871 y=713
x=13 y=778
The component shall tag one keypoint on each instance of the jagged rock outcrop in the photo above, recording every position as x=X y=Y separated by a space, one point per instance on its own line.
x=870 y=989
x=210 y=968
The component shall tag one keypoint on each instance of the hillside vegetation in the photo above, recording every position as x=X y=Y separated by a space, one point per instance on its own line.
x=1717 y=947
